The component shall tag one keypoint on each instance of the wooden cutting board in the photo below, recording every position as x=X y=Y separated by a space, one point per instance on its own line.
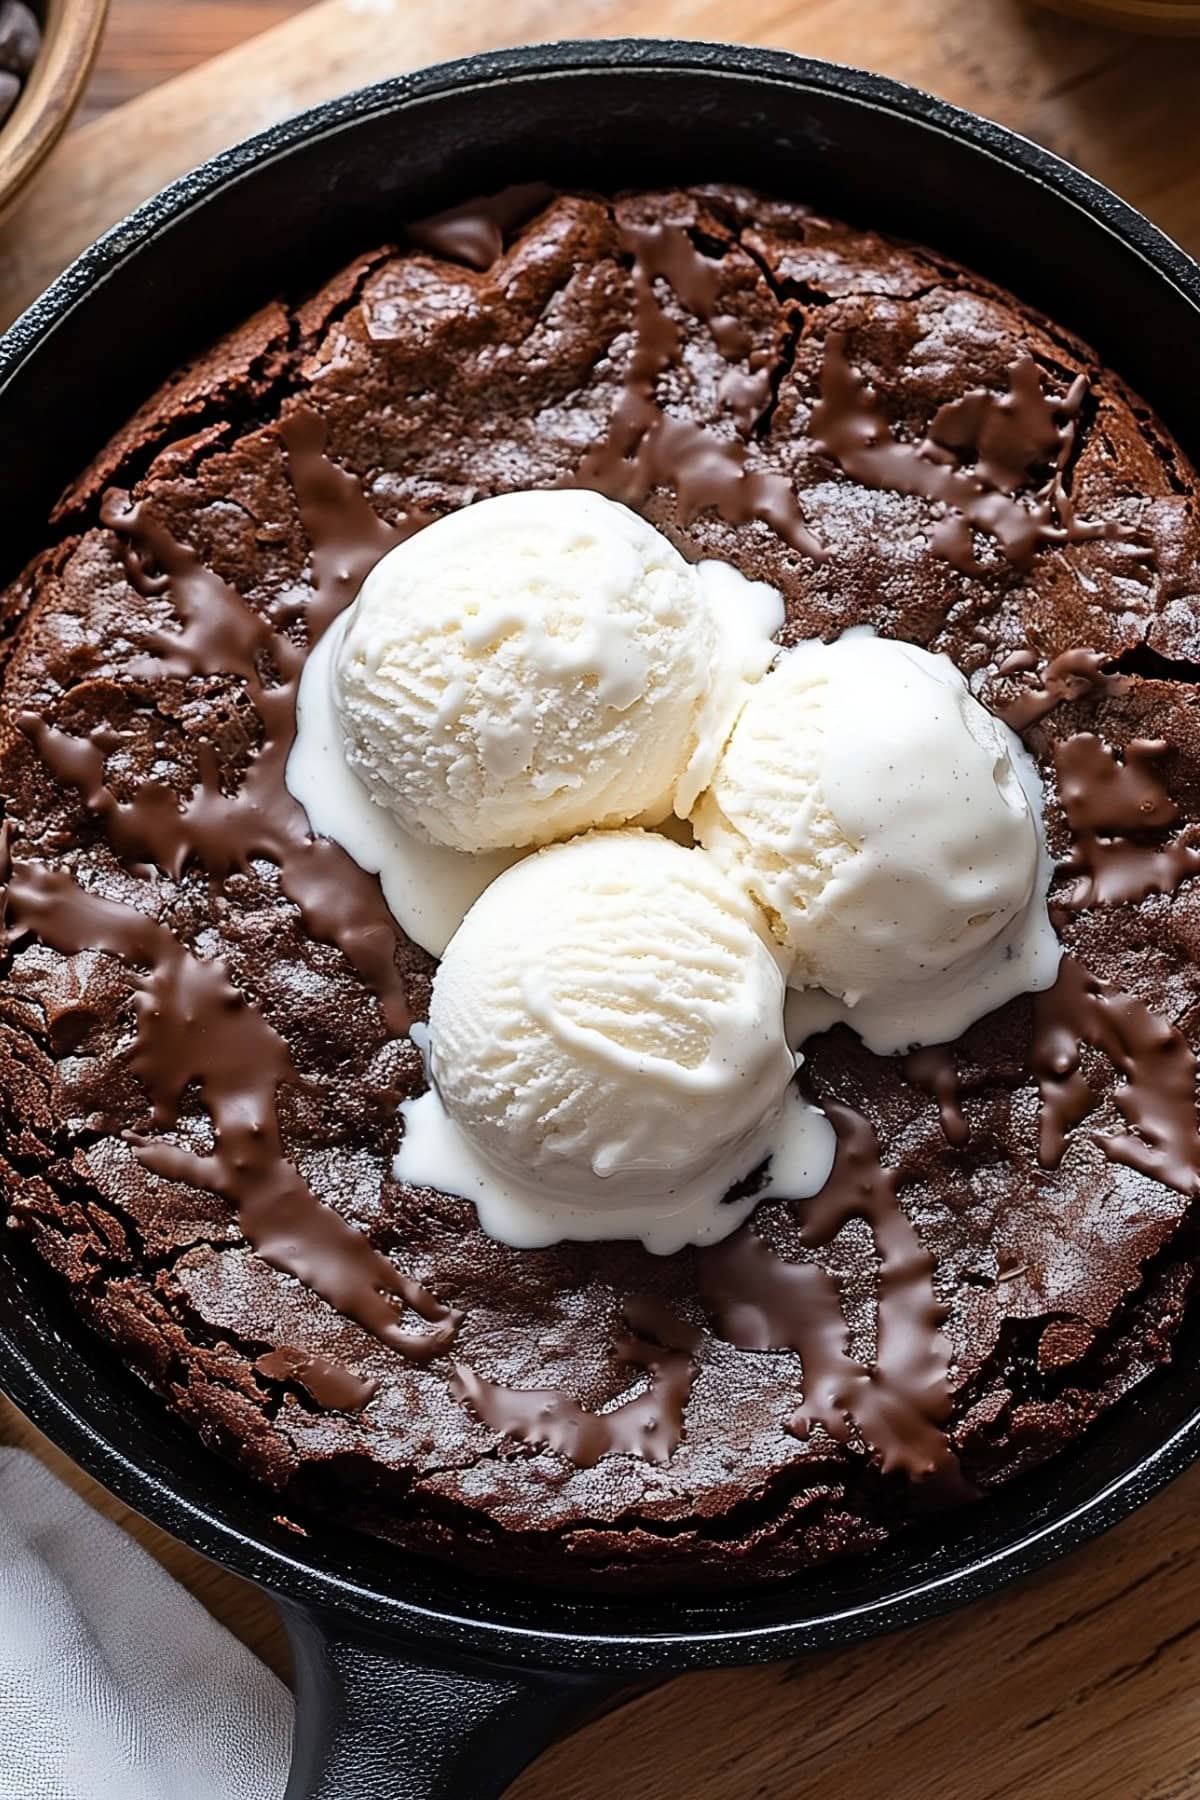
x=1083 y=1684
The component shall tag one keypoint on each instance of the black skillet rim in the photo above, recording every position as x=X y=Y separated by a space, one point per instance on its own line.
x=271 y=1563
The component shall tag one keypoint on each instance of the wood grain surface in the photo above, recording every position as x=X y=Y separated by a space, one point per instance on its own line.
x=148 y=41
x=1083 y=1684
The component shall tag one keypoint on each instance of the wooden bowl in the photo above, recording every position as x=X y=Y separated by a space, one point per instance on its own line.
x=71 y=31
x=1178 y=17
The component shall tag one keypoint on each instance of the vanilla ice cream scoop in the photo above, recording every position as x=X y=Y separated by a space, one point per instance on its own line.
x=891 y=830
x=607 y=1052
x=530 y=667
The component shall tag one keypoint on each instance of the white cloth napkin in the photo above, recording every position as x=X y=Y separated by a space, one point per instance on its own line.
x=115 y=1683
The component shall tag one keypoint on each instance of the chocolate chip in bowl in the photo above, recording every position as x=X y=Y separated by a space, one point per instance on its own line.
x=20 y=43
x=46 y=56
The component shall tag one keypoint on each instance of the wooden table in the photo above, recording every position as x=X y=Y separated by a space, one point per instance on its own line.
x=1083 y=1684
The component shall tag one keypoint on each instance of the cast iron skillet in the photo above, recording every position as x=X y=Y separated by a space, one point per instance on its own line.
x=413 y=1682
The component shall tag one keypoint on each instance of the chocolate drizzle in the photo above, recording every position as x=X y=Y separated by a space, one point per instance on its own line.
x=224 y=831
x=330 y=1385
x=1100 y=793
x=1158 y=1098
x=978 y=462
x=193 y=1026
x=647 y=448
x=761 y=1302
x=901 y=1403
x=1111 y=804
x=650 y=1425
x=475 y=232
x=1076 y=674
x=933 y=1068
x=6 y=840
x=1014 y=436
x=347 y=535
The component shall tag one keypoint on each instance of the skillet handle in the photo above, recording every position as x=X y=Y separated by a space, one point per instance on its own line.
x=382 y=1719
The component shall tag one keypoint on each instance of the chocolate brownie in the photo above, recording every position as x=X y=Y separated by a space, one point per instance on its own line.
x=205 y=1014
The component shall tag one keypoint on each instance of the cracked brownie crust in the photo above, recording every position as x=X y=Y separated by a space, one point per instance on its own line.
x=1048 y=1205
